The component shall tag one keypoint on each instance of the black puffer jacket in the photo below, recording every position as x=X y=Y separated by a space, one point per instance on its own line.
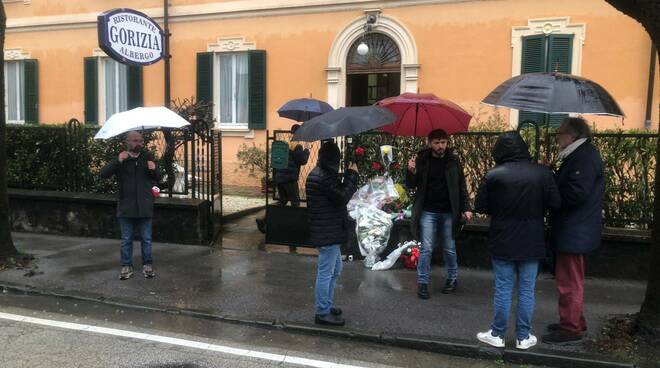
x=297 y=157
x=134 y=179
x=516 y=193
x=327 y=196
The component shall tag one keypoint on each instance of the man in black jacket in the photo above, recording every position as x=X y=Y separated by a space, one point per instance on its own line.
x=516 y=194
x=136 y=173
x=576 y=226
x=327 y=196
x=441 y=203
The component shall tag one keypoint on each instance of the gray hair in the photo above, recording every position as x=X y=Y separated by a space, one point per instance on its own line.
x=577 y=127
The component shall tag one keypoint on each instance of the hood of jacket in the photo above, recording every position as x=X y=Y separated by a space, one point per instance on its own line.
x=510 y=147
x=329 y=157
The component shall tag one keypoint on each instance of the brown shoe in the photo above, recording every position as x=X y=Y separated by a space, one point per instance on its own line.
x=328 y=319
x=556 y=327
x=562 y=337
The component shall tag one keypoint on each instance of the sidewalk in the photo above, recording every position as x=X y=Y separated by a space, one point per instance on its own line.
x=277 y=289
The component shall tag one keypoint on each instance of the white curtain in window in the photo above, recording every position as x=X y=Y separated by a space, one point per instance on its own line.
x=116 y=88
x=234 y=88
x=242 y=88
x=226 y=88
x=14 y=86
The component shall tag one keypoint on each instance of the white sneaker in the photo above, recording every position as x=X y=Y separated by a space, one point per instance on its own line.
x=527 y=343
x=488 y=338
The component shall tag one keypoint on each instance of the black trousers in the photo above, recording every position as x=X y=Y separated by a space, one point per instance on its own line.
x=289 y=192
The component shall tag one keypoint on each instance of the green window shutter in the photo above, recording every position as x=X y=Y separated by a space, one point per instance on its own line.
x=560 y=50
x=257 y=89
x=533 y=61
x=205 y=77
x=91 y=86
x=31 y=96
x=533 y=54
x=134 y=87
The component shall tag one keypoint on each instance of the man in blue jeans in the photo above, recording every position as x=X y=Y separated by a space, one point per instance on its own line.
x=328 y=192
x=441 y=203
x=136 y=173
x=516 y=194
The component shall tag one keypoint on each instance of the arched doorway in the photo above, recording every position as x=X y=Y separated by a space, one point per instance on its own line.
x=376 y=75
x=336 y=71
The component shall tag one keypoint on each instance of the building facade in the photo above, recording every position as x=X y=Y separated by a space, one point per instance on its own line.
x=249 y=57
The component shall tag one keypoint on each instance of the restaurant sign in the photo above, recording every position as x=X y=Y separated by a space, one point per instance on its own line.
x=130 y=37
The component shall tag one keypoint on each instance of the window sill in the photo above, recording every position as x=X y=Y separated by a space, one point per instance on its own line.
x=236 y=131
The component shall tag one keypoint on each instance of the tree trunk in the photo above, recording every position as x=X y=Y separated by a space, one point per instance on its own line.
x=647 y=12
x=7 y=248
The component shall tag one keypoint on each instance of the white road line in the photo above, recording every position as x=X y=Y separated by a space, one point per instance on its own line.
x=176 y=341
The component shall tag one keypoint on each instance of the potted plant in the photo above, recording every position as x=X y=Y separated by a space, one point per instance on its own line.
x=253 y=159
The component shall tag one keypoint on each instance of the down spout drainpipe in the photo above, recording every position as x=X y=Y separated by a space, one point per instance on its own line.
x=649 y=96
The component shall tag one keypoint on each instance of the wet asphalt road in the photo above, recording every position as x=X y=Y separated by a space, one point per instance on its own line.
x=24 y=344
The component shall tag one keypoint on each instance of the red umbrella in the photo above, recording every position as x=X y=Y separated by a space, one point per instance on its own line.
x=419 y=114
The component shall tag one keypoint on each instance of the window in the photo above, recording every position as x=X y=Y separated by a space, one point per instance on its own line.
x=14 y=87
x=110 y=87
x=233 y=99
x=235 y=82
x=116 y=87
x=21 y=91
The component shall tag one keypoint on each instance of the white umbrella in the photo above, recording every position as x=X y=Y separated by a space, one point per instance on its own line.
x=140 y=118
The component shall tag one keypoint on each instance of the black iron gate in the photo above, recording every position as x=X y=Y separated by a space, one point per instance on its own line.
x=285 y=224
x=192 y=161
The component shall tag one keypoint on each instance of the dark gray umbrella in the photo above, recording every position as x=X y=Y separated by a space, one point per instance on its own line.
x=344 y=121
x=303 y=109
x=554 y=93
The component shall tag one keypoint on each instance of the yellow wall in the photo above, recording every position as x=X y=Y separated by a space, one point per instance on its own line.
x=464 y=51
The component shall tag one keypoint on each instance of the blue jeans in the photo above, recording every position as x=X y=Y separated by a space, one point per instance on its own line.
x=328 y=271
x=505 y=274
x=127 y=225
x=430 y=225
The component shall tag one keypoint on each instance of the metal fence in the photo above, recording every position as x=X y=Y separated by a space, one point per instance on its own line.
x=629 y=165
x=67 y=158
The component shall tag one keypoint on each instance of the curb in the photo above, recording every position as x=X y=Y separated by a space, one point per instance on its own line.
x=434 y=345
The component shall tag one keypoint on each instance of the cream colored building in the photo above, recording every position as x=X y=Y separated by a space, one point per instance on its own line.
x=249 y=57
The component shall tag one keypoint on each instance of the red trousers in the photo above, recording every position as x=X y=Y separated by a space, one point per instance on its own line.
x=569 y=277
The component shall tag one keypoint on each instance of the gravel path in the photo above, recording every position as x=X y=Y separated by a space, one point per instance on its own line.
x=235 y=203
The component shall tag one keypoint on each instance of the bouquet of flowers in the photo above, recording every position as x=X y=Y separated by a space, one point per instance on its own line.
x=373 y=225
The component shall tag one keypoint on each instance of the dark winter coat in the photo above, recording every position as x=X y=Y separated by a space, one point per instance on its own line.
x=297 y=157
x=578 y=224
x=456 y=186
x=135 y=180
x=516 y=194
x=327 y=197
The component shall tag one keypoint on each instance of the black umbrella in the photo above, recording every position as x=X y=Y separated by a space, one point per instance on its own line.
x=344 y=121
x=554 y=93
x=303 y=109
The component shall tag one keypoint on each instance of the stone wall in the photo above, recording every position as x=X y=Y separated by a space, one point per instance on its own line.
x=176 y=220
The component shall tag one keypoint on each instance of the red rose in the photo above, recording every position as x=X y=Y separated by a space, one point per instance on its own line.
x=375 y=165
x=395 y=166
x=359 y=151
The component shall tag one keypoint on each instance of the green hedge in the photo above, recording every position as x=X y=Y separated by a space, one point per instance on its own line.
x=58 y=157
x=629 y=159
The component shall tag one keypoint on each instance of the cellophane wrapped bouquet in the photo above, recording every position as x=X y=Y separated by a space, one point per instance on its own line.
x=373 y=225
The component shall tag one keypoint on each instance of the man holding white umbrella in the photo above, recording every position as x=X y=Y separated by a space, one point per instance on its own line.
x=136 y=173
